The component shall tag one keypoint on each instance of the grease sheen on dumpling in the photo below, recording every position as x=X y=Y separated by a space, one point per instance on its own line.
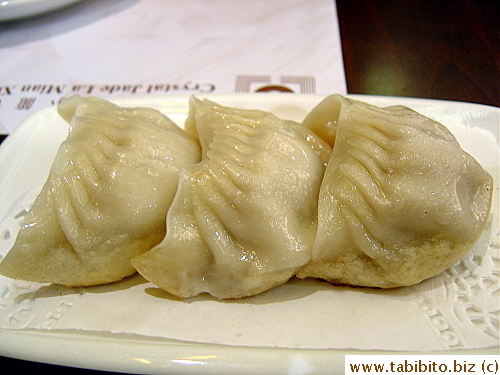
x=400 y=201
x=106 y=198
x=243 y=219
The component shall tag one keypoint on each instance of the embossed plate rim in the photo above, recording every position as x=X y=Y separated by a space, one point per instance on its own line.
x=15 y=9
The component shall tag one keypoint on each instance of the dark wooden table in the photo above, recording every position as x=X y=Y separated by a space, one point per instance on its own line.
x=416 y=48
x=426 y=49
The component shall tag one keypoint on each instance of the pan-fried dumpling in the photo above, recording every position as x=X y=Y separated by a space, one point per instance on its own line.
x=243 y=219
x=106 y=197
x=400 y=201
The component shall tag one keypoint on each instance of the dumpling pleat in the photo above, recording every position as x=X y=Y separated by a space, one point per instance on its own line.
x=250 y=206
x=106 y=198
x=400 y=200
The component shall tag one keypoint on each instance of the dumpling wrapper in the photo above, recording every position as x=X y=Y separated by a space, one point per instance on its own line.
x=244 y=219
x=400 y=201
x=106 y=197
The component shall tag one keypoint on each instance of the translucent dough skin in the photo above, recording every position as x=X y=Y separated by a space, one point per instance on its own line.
x=244 y=218
x=400 y=201
x=106 y=197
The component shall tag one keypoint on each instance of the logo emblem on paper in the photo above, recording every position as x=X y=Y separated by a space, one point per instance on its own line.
x=303 y=85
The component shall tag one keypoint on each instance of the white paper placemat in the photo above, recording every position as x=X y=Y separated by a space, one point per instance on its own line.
x=142 y=47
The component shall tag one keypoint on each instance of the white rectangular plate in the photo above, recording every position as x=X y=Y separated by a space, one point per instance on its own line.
x=25 y=159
